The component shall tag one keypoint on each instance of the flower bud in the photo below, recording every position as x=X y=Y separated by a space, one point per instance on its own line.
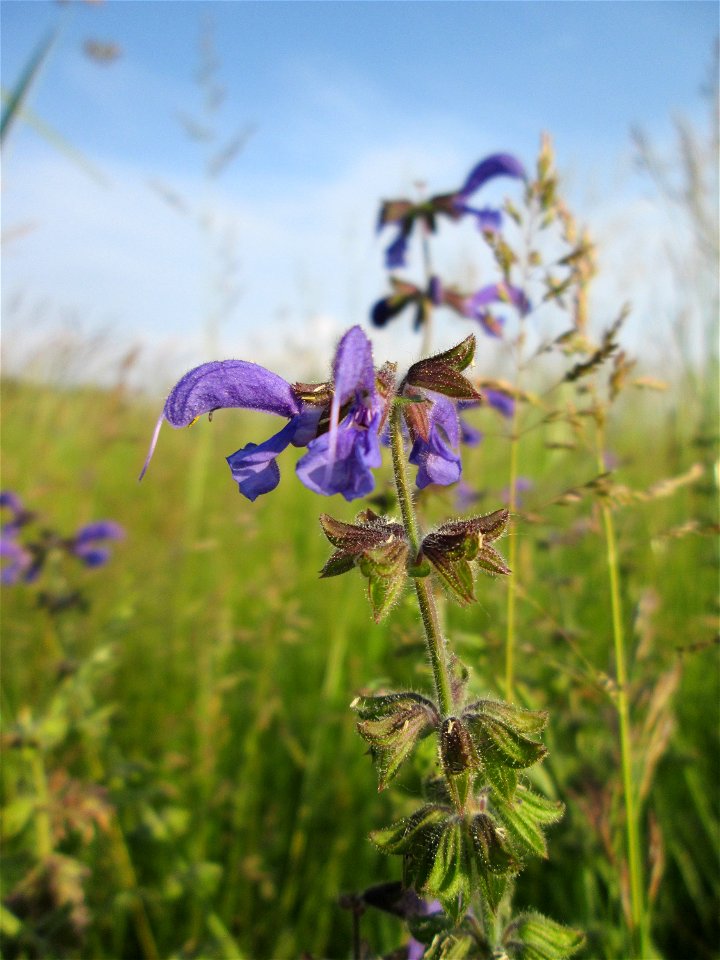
x=456 y=747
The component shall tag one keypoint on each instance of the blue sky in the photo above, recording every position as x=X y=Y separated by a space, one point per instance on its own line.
x=348 y=102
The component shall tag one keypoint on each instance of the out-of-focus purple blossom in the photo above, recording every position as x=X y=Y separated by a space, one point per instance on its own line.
x=522 y=485
x=415 y=949
x=404 y=213
x=496 y=165
x=469 y=435
x=476 y=307
x=404 y=295
x=435 y=290
x=17 y=561
x=339 y=421
x=466 y=496
x=501 y=401
x=611 y=460
x=85 y=543
x=9 y=500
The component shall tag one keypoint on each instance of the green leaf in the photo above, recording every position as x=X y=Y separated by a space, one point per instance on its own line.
x=531 y=936
x=524 y=817
x=10 y=925
x=15 y=816
x=15 y=100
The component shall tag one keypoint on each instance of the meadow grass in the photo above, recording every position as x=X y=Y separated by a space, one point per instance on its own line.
x=206 y=689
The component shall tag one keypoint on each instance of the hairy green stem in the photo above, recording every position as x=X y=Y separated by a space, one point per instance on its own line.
x=426 y=601
x=639 y=932
x=512 y=563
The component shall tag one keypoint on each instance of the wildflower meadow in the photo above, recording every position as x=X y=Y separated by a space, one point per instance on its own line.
x=414 y=659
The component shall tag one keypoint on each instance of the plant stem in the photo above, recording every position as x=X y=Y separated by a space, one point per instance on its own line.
x=43 y=831
x=638 y=932
x=426 y=601
x=512 y=562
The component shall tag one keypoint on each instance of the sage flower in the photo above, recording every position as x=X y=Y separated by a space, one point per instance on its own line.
x=85 y=544
x=17 y=563
x=404 y=213
x=435 y=453
x=339 y=422
x=472 y=306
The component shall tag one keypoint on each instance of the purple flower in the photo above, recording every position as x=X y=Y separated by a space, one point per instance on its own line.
x=473 y=306
x=435 y=450
x=20 y=516
x=503 y=402
x=339 y=422
x=522 y=485
x=476 y=306
x=469 y=435
x=466 y=496
x=84 y=544
x=403 y=296
x=17 y=561
x=405 y=213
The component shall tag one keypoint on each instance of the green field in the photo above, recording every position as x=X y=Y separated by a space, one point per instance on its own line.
x=182 y=776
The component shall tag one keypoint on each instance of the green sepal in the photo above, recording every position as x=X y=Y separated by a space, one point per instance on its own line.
x=378 y=547
x=441 y=377
x=491 y=845
x=452 y=946
x=496 y=743
x=461 y=355
x=448 y=857
x=530 y=722
x=524 y=816
x=458 y=543
x=405 y=401
x=338 y=564
x=493 y=887
x=531 y=936
x=450 y=875
x=425 y=824
x=457 y=576
x=426 y=927
x=489 y=560
x=384 y=568
x=392 y=724
x=503 y=780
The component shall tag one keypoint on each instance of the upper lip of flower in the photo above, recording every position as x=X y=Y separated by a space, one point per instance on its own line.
x=338 y=421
